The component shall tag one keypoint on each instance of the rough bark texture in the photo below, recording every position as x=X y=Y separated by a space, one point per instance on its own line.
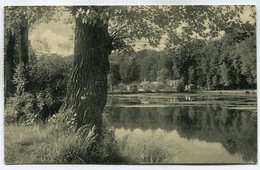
x=9 y=65
x=87 y=89
x=24 y=56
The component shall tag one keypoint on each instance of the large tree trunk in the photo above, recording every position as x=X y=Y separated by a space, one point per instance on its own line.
x=24 y=56
x=87 y=89
x=9 y=65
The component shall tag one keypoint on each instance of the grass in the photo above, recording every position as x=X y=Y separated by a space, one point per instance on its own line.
x=25 y=145
x=42 y=145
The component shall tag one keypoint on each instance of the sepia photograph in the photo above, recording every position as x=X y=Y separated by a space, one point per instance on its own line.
x=130 y=85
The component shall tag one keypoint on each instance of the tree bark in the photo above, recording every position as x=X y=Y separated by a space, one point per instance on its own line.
x=9 y=65
x=87 y=89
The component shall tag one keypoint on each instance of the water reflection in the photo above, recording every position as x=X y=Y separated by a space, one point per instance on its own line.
x=186 y=134
x=140 y=100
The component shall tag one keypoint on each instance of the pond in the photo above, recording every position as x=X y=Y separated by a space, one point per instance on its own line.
x=185 y=128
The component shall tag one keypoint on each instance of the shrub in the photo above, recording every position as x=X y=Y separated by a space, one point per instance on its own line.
x=133 y=88
x=49 y=75
x=40 y=89
x=21 y=109
x=180 y=86
x=120 y=88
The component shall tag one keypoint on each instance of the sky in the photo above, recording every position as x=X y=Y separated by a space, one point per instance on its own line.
x=60 y=32
x=57 y=36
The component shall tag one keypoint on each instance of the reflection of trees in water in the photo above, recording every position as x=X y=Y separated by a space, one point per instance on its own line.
x=235 y=129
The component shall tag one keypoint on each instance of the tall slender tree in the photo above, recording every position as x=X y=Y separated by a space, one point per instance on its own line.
x=9 y=64
x=18 y=21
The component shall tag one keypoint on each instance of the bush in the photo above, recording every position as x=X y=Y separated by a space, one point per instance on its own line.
x=120 y=88
x=21 y=109
x=50 y=75
x=40 y=89
x=22 y=106
x=180 y=87
x=28 y=108
x=133 y=88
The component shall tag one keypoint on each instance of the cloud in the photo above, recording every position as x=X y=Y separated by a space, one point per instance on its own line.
x=54 y=41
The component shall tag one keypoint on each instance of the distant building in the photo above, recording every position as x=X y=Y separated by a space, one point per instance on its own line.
x=173 y=83
x=158 y=85
x=190 y=87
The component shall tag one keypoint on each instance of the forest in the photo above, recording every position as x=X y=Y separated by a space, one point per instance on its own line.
x=225 y=63
x=59 y=102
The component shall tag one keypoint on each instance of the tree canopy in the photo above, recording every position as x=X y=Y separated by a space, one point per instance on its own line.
x=127 y=24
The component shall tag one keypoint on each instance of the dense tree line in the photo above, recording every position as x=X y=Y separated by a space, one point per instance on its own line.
x=228 y=62
x=224 y=63
x=145 y=65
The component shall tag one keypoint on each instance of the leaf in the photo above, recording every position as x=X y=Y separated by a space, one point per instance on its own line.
x=80 y=10
x=88 y=11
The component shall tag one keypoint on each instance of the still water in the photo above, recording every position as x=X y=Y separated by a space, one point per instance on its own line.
x=185 y=128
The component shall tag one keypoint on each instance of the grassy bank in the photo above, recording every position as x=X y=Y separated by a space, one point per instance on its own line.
x=26 y=145
x=43 y=145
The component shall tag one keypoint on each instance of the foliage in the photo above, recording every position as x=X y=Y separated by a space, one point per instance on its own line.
x=18 y=21
x=126 y=24
x=21 y=107
x=246 y=53
x=223 y=63
x=218 y=64
x=42 y=96
x=48 y=80
x=50 y=72
x=15 y=16
x=35 y=105
x=114 y=76
x=133 y=88
x=129 y=69
x=148 y=70
x=180 y=86
x=120 y=87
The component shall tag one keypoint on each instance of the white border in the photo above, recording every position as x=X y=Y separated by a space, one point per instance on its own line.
x=117 y=2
